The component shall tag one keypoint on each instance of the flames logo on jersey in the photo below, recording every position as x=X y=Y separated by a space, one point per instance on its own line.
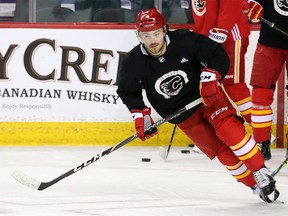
x=283 y=3
x=199 y=7
x=281 y=6
x=170 y=84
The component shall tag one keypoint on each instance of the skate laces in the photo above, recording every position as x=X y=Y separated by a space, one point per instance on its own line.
x=262 y=177
x=256 y=190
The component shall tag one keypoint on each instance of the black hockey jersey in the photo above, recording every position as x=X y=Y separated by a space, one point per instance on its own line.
x=172 y=80
x=276 y=11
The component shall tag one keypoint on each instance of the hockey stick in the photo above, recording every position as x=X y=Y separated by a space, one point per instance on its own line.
x=280 y=167
x=163 y=152
x=272 y=25
x=38 y=185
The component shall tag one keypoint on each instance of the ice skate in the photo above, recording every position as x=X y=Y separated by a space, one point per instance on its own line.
x=265 y=188
x=265 y=149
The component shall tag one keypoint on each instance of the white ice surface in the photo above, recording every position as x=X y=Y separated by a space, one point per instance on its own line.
x=119 y=184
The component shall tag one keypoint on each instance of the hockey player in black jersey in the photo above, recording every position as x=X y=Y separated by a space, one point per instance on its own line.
x=175 y=68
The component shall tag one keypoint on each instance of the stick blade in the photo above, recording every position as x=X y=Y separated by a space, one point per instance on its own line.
x=163 y=152
x=26 y=180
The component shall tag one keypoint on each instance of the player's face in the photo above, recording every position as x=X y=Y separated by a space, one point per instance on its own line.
x=154 y=41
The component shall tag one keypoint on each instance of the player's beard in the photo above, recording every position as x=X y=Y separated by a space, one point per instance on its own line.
x=156 y=49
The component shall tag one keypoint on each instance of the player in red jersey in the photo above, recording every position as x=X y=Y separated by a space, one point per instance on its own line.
x=269 y=59
x=224 y=22
x=175 y=68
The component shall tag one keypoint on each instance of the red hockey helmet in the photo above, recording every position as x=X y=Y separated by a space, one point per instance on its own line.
x=149 y=20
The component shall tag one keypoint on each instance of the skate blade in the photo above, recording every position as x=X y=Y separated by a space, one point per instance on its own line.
x=273 y=197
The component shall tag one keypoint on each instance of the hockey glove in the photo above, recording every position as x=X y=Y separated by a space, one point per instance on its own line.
x=143 y=121
x=219 y=35
x=210 y=89
x=253 y=10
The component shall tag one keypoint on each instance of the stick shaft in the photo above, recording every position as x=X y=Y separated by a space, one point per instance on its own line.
x=280 y=167
x=164 y=151
x=273 y=26
x=32 y=183
x=171 y=139
x=44 y=185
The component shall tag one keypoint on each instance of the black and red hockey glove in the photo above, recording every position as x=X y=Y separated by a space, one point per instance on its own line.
x=253 y=10
x=210 y=89
x=143 y=120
